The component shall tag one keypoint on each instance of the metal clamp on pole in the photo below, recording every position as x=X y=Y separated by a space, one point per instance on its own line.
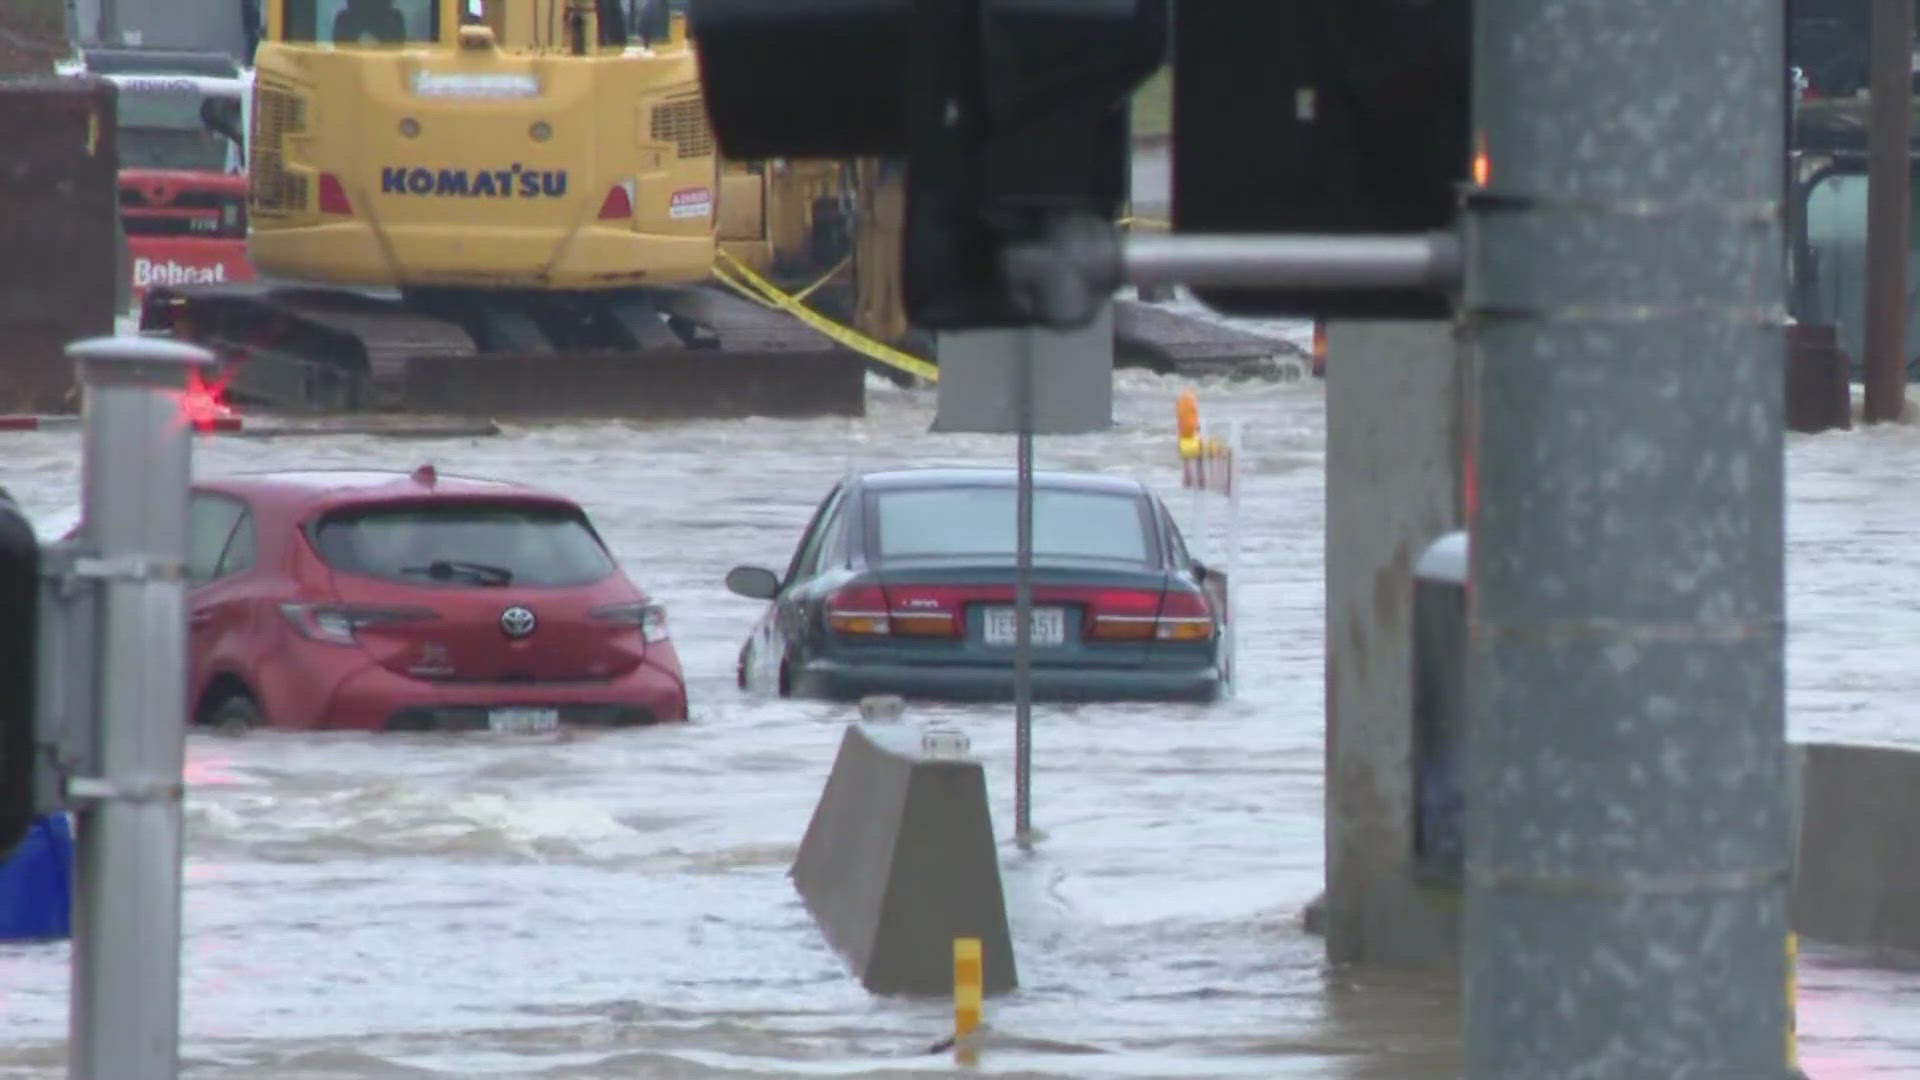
x=134 y=477
x=143 y=790
x=133 y=568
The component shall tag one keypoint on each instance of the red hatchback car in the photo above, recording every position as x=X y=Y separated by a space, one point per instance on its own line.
x=413 y=602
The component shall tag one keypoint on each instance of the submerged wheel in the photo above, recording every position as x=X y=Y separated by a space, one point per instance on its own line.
x=236 y=715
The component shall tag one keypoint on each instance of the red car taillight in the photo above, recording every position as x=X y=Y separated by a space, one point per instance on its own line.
x=650 y=618
x=939 y=611
x=1121 y=614
x=336 y=624
x=926 y=610
x=1144 y=615
x=922 y=611
x=859 y=610
x=1184 y=616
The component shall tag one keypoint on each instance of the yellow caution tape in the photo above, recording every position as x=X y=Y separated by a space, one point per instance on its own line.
x=742 y=279
x=746 y=291
x=824 y=278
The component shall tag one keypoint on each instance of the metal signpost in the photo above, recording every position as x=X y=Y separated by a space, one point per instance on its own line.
x=1025 y=382
x=125 y=783
x=1023 y=604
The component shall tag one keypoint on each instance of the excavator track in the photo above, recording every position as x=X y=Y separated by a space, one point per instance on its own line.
x=692 y=353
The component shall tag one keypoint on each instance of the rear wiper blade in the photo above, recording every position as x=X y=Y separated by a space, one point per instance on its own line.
x=442 y=569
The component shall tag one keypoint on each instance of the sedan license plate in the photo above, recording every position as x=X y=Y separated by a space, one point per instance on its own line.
x=1049 y=626
x=523 y=720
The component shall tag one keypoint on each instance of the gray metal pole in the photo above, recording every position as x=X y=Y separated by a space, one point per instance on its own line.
x=1328 y=262
x=1023 y=606
x=1627 y=851
x=126 y=942
x=1889 y=124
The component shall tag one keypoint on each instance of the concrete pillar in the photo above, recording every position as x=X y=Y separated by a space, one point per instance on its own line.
x=1396 y=432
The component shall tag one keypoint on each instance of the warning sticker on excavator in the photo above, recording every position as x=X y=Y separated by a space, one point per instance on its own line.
x=691 y=203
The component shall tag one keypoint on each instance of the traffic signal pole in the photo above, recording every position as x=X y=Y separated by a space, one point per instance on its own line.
x=1627 y=854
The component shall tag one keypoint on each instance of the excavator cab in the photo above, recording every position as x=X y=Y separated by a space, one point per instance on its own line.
x=518 y=145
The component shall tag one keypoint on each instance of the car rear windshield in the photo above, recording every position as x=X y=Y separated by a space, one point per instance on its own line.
x=973 y=521
x=464 y=544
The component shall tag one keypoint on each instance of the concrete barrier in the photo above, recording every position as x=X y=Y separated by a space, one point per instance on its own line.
x=899 y=860
x=1857 y=853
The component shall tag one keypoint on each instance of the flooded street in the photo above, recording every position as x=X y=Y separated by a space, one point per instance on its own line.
x=617 y=904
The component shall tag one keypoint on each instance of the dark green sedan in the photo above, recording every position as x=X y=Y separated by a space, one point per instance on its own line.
x=903 y=583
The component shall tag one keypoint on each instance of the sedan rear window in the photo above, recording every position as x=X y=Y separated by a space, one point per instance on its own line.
x=972 y=521
x=464 y=544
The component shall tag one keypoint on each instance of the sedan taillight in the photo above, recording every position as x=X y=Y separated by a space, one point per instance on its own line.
x=1184 y=616
x=901 y=611
x=336 y=624
x=1145 y=615
x=859 y=610
x=927 y=611
x=1121 y=614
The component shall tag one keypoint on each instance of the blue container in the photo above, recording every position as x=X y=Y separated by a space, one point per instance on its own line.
x=36 y=883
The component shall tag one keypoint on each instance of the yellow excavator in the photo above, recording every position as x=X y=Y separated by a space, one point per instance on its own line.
x=463 y=203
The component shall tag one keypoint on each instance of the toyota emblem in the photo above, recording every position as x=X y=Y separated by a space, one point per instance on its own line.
x=517 y=622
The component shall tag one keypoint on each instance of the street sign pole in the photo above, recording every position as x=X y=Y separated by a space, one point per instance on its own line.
x=135 y=473
x=1023 y=603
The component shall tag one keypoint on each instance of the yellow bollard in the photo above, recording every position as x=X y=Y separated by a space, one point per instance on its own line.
x=1793 y=1001
x=1186 y=414
x=967 y=981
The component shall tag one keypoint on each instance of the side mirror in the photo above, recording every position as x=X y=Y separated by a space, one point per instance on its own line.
x=222 y=117
x=753 y=582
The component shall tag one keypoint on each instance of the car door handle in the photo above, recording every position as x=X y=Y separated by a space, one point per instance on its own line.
x=200 y=620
